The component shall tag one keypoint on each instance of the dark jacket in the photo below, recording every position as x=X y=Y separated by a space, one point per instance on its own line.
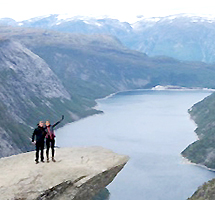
x=40 y=134
x=52 y=129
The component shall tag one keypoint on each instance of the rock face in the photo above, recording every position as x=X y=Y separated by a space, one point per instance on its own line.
x=205 y=192
x=78 y=174
x=23 y=92
x=29 y=92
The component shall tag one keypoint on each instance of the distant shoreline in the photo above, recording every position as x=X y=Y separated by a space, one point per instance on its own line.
x=187 y=161
x=180 y=88
x=168 y=88
x=158 y=88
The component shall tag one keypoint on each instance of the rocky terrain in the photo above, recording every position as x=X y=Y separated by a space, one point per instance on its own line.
x=95 y=61
x=45 y=74
x=79 y=174
x=183 y=36
x=24 y=92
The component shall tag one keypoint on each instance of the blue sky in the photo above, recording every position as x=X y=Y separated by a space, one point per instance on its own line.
x=121 y=9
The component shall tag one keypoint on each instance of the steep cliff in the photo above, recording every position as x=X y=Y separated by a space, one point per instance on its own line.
x=205 y=192
x=30 y=91
x=78 y=174
x=44 y=74
x=202 y=151
x=23 y=93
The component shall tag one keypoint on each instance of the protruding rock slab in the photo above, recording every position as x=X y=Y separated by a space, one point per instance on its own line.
x=78 y=173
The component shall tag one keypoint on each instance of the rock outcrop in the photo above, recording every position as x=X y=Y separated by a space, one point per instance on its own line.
x=78 y=174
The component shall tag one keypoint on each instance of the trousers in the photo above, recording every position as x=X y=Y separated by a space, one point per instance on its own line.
x=50 y=143
x=39 y=147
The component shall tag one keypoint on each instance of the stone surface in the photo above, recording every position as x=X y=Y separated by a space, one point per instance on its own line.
x=78 y=173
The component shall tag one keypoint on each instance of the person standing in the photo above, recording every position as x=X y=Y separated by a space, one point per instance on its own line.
x=50 y=138
x=40 y=134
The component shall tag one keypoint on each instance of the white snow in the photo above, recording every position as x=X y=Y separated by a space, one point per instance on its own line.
x=149 y=21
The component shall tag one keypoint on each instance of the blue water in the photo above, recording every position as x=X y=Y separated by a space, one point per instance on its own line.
x=152 y=127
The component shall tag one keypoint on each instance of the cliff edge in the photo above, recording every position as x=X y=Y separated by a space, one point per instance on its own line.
x=78 y=174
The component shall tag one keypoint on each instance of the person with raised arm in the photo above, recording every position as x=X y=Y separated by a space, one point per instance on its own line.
x=50 y=138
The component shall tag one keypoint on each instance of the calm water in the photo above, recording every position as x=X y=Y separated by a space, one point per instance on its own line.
x=152 y=127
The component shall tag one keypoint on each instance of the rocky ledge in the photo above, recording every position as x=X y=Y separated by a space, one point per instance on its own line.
x=78 y=174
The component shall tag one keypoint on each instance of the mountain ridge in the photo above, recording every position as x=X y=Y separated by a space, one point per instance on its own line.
x=83 y=68
x=184 y=37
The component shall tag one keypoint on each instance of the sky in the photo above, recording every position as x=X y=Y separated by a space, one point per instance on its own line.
x=124 y=10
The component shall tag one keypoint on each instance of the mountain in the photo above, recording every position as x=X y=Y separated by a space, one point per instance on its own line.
x=30 y=91
x=45 y=74
x=79 y=24
x=24 y=95
x=203 y=151
x=8 y=22
x=184 y=37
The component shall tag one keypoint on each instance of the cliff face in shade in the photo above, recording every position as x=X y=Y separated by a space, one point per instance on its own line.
x=78 y=174
x=23 y=92
x=29 y=92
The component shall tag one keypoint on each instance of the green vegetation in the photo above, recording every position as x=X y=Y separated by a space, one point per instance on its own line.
x=18 y=132
x=205 y=192
x=203 y=150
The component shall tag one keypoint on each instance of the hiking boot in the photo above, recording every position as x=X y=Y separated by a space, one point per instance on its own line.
x=53 y=159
